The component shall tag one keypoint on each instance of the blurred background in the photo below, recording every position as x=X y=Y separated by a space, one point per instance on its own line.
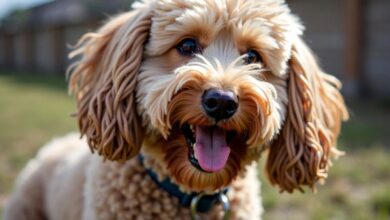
x=350 y=37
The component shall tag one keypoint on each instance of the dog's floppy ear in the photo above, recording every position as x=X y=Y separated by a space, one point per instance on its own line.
x=104 y=82
x=301 y=154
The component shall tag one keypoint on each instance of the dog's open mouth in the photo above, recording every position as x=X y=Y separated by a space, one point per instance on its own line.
x=208 y=146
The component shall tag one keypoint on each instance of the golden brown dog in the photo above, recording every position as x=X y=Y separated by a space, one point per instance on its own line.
x=199 y=89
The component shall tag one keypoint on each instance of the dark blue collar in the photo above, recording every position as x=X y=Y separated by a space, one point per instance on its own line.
x=205 y=203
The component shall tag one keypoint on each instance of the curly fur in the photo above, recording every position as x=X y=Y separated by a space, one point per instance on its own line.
x=134 y=92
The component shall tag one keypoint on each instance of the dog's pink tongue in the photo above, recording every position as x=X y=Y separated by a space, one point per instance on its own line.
x=211 y=149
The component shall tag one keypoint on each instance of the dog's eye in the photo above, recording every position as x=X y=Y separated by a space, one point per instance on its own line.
x=253 y=57
x=188 y=47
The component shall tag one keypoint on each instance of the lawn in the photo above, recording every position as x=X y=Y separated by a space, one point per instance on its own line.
x=36 y=108
x=33 y=109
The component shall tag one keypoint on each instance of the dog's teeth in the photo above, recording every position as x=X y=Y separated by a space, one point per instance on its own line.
x=193 y=147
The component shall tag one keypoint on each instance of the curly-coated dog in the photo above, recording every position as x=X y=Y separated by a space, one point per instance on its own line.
x=180 y=98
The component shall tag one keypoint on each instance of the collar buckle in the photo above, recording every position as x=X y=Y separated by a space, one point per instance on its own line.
x=222 y=199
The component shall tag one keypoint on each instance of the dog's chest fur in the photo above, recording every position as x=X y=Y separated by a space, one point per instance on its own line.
x=126 y=191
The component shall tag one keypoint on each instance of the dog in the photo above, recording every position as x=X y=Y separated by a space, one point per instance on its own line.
x=178 y=99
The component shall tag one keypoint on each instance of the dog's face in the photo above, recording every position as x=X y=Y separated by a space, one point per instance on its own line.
x=205 y=87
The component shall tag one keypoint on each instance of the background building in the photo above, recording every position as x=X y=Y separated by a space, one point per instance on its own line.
x=350 y=37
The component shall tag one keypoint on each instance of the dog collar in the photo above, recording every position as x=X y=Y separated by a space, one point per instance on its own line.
x=198 y=202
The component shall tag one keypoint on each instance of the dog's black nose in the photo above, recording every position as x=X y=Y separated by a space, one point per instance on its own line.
x=219 y=104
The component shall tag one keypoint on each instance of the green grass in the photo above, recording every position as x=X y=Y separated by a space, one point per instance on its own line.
x=357 y=188
x=36 y=108
x=33 y=109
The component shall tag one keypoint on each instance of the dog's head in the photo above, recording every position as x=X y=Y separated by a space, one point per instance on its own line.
x=205 y=87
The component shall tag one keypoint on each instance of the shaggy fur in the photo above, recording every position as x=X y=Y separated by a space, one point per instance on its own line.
x=135 y=92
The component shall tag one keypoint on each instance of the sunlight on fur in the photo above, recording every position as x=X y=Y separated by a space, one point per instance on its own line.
x=201 y=89
x=114 y=130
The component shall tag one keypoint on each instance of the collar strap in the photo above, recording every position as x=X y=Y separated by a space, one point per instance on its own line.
x=205 y=203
